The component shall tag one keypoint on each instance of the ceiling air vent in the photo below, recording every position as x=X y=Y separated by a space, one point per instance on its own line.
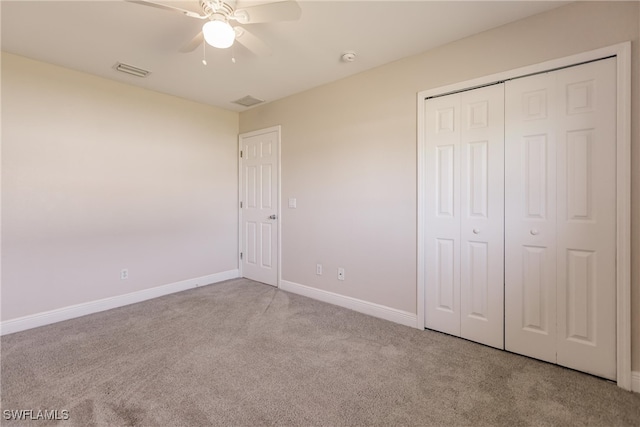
x=248 y=101
x=130 y=69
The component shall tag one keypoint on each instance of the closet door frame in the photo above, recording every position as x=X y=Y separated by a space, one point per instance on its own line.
x=622 y=53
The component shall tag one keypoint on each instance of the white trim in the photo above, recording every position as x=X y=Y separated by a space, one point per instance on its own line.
x=635 y=381
x=78 y=310
x=279 y=275
x=622 y=52
x=240 y=183
x=421 y=302
x=278 y=130
x=623 y=221
x=376 y=310
x=592 y=55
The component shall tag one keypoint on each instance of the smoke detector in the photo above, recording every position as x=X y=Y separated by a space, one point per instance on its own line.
x=348 y=57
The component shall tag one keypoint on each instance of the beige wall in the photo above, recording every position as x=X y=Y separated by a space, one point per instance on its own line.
x=98 y=176
x=349 y=152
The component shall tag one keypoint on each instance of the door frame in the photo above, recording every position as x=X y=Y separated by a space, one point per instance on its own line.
x=278 y=130
x=622 y=53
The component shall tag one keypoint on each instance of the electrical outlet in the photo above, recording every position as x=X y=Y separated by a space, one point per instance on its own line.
x=319 y=269
x=124 y=274
x=340 y=273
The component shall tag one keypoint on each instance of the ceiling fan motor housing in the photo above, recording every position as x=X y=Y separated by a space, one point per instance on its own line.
x=218 y=7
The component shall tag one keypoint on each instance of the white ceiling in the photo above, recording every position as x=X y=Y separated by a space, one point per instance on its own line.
x=91 y=36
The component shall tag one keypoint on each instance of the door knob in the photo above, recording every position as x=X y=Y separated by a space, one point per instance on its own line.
x=273 y=217
x=534 y=232
x=476 y=231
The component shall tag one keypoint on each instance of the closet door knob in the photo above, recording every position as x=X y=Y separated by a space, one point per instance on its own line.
x=534 y=232
x=476 y=231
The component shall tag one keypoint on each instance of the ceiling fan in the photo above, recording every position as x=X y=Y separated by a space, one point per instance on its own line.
x=219 y=14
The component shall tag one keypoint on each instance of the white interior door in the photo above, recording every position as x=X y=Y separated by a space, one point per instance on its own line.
x=482 y=215
x=530 y=217
x=586 y=194
x=464 y=219
x=560 y=217
x=442 y=214
x=259 y=205
x=567 y=256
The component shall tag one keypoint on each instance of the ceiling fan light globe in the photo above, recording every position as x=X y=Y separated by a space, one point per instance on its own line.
x=218 y=34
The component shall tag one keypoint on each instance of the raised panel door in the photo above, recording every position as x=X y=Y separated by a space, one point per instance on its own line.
x=259 y=197
x=530 y=217
x=586 y=183
x=464 y=160
x=442 y=214
x=482 y=215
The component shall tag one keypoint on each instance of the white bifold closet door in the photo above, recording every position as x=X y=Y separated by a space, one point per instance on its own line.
x=464 y=214
x=560 y=217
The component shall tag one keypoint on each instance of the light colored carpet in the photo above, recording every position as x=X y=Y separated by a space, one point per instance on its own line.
x=239 y=353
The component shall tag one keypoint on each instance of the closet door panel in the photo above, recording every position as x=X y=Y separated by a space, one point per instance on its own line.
x=530 y=217
x=482 y=215
x=520 y=212
x=586 y=211
x=442 y=214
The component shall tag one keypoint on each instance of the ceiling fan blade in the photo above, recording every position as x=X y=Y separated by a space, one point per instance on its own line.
x=287 y=10
x=251 y=42
x=193 y=44
x=185 y=12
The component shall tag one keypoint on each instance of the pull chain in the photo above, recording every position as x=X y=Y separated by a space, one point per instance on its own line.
x=204 y=53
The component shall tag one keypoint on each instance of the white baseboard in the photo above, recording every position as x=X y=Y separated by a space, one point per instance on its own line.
x=365 y=307
x=78 y=310
x=635 y=381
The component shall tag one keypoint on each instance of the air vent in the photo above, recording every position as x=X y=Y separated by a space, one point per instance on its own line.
x=130 y=69
x=248 y=101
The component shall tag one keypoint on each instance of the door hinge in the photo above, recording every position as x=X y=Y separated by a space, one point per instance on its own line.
x=240 y=205
x=240 y=255
x=240 y=153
